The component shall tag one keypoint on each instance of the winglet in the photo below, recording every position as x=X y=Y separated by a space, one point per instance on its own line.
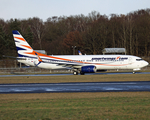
x=79 y=52
x=39 y=59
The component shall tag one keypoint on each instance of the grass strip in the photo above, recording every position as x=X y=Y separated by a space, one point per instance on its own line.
x=75 y=78
x=81 y=106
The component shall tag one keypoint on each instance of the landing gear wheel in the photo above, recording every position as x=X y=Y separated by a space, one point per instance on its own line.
x=82 y=73
x=75 y=72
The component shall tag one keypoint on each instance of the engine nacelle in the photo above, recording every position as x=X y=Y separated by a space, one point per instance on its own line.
x=88 y=69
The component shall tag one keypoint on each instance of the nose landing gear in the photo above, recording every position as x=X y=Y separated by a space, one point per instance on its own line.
x=75 y=72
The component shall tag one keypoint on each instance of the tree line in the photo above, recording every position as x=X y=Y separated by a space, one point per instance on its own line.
x=90 y=34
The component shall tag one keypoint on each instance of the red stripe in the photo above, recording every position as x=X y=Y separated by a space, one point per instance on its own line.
x=26 y=46
x=20 y=38
x=40 y=54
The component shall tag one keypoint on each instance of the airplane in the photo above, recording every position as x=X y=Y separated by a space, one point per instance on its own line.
x=78 y=63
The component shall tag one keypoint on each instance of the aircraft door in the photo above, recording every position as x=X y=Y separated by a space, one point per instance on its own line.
x=130 y=60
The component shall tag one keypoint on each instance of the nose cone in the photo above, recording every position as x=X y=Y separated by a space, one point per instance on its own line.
x=146 y=63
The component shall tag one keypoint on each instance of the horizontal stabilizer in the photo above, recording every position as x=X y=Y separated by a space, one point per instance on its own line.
x=18 y=58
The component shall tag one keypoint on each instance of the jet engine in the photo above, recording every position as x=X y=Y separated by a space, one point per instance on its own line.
x=88 y=69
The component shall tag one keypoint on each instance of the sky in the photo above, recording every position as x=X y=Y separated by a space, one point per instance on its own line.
x=24 y=9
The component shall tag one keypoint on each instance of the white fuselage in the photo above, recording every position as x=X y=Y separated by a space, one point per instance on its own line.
x=99 y=61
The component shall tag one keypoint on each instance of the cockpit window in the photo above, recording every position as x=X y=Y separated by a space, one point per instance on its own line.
x=139 y=59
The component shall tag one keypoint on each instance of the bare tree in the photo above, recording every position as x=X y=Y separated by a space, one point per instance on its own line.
x=37 y=28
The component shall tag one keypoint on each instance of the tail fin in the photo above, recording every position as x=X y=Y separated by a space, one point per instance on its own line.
x=23 y=48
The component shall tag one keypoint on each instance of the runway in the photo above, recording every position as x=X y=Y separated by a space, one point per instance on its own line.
x=76 y=87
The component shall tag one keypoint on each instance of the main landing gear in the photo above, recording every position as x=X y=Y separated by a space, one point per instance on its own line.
x=76 y=73
x=81 y=73
x=133 y=72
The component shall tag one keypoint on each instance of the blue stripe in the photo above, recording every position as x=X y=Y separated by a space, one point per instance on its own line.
x=20 y=55
x=18 y=48
x=15 y=32
x=38 y=63
x=17 y=41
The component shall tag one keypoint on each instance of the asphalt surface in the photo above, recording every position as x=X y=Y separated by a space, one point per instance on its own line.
x=76 y=87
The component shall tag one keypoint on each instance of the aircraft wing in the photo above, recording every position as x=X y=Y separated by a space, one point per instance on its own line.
x=71 y=64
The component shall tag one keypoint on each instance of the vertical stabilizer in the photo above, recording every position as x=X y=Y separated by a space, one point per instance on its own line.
x=21 y=44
